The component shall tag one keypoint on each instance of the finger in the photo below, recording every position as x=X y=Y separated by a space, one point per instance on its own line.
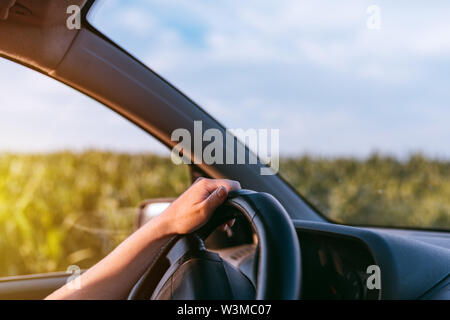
x=232 y=184
x=215 y=199
x=212 y=184
x=198 y=179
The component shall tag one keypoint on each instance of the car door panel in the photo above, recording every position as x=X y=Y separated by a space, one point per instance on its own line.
x=32 y=287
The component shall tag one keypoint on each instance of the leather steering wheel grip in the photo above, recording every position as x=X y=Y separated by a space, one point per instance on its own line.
x=279 y=265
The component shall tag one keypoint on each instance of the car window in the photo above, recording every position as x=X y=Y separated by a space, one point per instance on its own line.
x=72 y=174
x=357 y=89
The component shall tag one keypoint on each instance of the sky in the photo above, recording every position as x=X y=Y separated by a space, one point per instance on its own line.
x=313 y=69
x=43 y=115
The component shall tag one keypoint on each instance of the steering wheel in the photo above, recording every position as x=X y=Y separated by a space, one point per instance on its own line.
x=184 y=269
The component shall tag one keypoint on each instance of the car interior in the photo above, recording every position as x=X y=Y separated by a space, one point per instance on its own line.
x=279 y=247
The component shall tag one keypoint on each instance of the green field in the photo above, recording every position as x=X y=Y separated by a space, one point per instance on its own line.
x=67 y=208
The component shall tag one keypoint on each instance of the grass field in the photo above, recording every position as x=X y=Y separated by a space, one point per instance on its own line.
x=67 y=208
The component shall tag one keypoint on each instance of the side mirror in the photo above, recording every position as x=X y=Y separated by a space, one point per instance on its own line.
x=150 y=209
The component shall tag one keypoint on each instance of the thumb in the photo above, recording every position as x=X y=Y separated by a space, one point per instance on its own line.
x=215 y=199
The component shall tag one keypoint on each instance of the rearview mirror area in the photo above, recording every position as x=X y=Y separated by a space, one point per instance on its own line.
x=151 y=208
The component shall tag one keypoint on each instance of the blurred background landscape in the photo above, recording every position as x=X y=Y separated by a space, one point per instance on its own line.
x=67 y=208
x=64 y=209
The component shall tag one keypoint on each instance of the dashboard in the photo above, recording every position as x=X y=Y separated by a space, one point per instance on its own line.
x=335 y=268
x=412 y=264
x=338 y=262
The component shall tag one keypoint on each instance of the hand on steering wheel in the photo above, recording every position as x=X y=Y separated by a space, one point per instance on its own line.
x=278 y=255
x=195 y=206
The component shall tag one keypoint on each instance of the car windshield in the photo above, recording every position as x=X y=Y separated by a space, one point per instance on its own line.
x=357 y=90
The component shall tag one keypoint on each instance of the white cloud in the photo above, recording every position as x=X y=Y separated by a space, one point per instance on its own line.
x=41 y=114
x=136 y=21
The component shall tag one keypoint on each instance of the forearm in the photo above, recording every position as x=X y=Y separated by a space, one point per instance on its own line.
x=113 y=277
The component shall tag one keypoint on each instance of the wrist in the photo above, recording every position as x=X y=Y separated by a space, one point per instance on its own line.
x=163 y=224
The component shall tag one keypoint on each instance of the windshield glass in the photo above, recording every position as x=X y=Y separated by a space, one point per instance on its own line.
x=358 y=91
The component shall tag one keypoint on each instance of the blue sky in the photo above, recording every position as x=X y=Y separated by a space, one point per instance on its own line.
x=309 y=68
